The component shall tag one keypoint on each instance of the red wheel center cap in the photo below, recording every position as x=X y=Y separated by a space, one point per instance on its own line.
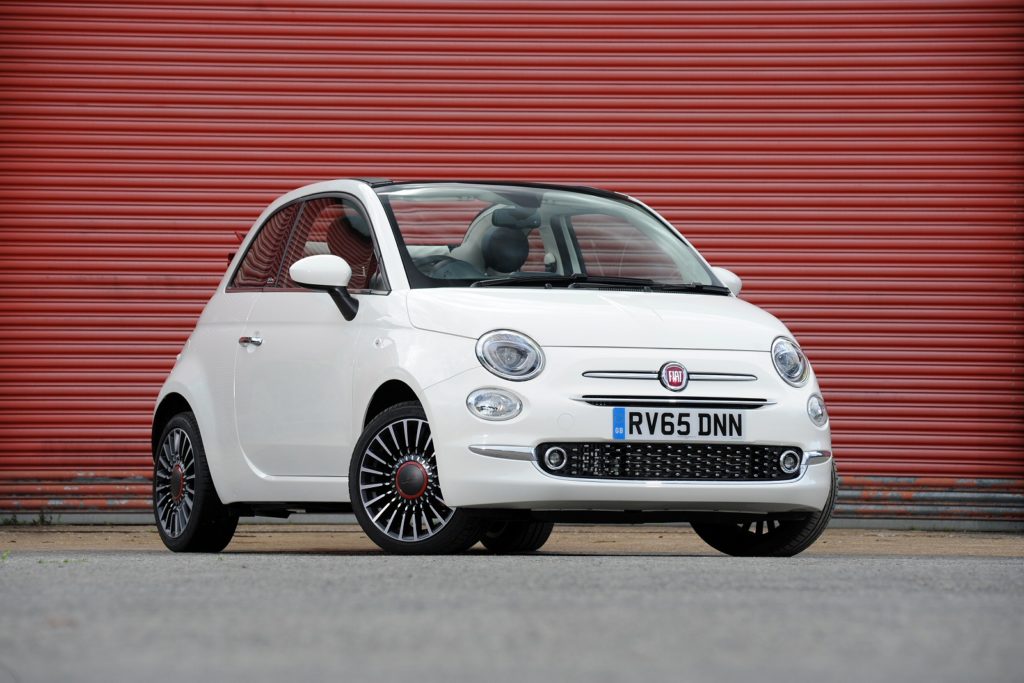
x=177 y=483
x=411 y=480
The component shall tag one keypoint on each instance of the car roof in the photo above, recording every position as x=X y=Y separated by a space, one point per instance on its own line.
x=583 y=189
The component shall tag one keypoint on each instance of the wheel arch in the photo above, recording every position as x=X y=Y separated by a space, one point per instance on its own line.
x=169 y=406
x=389 y=393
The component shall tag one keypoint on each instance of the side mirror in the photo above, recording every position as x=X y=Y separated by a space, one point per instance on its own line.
x=328 y=273
x=728 y=278
x=321 y=271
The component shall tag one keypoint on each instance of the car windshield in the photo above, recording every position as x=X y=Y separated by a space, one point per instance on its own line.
x=465 y=234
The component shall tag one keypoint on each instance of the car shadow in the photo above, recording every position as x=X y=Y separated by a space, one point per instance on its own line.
x=472 y=553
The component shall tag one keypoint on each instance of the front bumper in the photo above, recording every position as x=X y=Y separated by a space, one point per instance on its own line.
x=523 y=484
x=491 y=464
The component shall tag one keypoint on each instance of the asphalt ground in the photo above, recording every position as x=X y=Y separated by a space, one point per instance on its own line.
x=597 y=604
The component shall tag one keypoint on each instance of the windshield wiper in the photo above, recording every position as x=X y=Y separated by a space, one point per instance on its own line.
x=694 y=287
x=581 y=281
x=549 y=280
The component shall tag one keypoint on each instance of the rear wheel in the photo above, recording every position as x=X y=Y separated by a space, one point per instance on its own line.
x=189 y=515
x=395 y=491
x=516 y=536
x=770 y=537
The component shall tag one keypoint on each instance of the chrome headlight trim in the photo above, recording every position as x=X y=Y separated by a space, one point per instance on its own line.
x=793 y=379
x=487 y=352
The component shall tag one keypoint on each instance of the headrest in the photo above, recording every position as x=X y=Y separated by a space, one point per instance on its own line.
x=516 y=217
x=357 y=222
x=505 y=249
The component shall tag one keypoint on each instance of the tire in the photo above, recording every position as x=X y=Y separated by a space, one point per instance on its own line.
x=395 y=491
x=516 y=536
x=189 y=515
x=771 y=537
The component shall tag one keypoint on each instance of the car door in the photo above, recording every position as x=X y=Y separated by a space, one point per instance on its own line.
x=295 y=362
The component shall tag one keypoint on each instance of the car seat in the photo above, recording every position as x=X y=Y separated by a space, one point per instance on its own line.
x=493 y=249
x=349 y=237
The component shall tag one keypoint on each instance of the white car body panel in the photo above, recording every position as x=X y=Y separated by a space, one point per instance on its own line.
x=279 y=420
x=293 y=393
x=584 y=317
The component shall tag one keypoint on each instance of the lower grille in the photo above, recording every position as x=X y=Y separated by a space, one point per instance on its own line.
x=670 y=461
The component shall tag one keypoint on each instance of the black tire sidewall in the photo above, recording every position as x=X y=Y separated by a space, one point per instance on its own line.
x=516 y=536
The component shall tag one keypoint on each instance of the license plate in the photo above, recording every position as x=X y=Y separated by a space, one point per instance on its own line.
x=679 y=424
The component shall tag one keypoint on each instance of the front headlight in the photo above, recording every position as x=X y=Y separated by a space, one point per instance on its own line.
x=510 y=355
x=816 y=410
x=790 y=362
x=494 y=404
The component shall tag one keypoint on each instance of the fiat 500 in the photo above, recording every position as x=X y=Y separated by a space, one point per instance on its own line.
x=464 y=362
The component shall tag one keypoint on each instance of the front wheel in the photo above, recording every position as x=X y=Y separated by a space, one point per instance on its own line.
x=769 y=537
x=395 y=492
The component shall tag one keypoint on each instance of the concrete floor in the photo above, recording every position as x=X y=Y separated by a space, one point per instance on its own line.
x=598 y=604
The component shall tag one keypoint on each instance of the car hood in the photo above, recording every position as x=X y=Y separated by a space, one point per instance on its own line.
x=587 y=317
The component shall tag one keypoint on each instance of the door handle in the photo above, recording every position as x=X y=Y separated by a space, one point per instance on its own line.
x=247 y=341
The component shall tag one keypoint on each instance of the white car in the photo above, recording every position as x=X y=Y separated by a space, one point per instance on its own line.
x=468 y=362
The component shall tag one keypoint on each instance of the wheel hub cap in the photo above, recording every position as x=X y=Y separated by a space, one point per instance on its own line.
x=411 y=480
x=177 y=482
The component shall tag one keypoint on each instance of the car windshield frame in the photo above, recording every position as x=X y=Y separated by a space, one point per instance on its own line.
x=527 y=197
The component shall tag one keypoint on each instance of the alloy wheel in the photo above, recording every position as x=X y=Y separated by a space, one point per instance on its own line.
x=398 y=483
x=761 y=527
x=175 y=474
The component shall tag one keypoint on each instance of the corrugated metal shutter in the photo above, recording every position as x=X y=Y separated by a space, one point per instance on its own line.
x=859 y=163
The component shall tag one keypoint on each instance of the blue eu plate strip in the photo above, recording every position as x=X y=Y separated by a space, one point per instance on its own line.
x=619 y=424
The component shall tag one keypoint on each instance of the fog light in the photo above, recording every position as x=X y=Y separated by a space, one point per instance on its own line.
x=555 y=458
x=494 y=404
x=816 y=410
x=789 y=461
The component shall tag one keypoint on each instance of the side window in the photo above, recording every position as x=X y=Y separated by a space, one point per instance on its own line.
x=333 y=225
x=260 y=265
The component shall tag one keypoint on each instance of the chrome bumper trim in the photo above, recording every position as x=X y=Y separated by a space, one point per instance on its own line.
x=505 y=452
x=816 y=457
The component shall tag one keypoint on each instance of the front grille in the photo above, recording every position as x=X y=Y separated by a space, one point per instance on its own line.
x=670 y=461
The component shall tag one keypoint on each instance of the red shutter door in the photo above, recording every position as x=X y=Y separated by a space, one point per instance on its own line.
x=859 y=164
